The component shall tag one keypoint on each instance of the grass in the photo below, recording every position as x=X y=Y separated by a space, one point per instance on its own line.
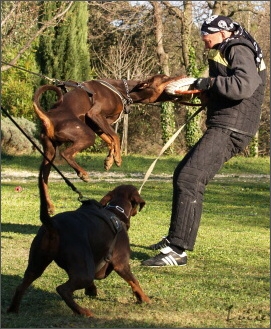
x=135 y=163
x=225 y=285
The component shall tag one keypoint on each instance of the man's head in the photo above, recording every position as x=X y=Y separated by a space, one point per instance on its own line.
x=210 y=40
x=216 y=29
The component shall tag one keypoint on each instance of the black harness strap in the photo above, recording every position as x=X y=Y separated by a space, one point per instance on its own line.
x=63 y=84
x=111 y=220
x=118 y=225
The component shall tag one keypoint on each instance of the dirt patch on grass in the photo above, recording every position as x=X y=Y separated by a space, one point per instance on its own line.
x=9 y=175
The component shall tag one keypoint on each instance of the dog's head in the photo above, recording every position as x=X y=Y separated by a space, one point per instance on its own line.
x=150 y=90
x=126 y=198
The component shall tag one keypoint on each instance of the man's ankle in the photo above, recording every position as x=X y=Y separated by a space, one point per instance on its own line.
x=177 y=249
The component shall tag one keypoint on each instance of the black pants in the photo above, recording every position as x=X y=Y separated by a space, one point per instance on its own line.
x=193 y=173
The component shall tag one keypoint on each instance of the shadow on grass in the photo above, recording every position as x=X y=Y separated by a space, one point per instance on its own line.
x=34 y=300
x=19 y=228
x=141 y=255
x=42 y=309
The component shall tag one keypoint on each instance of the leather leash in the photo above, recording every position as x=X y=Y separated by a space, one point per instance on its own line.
x=168 y=143
x=59 y=83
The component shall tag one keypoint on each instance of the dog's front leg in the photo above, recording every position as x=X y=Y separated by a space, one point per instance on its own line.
x=127 y=275
x=138 y=292
x=101 y=274
x=109 y=160
x=107 y=133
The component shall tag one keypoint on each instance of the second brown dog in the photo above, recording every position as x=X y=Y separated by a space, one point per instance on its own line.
x=88 y=243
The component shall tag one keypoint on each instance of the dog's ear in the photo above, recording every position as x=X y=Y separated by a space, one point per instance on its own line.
x=144 y=84
x=138 y=200
x=104 y=201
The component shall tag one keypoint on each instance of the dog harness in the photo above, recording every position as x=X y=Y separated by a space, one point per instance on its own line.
x=111 y=220
x=63 y=84
x=126 y=101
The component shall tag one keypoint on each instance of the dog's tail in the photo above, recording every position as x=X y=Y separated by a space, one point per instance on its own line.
x=46 y=122
x=45 y=217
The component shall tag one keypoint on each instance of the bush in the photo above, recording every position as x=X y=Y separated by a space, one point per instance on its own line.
x=13 y=141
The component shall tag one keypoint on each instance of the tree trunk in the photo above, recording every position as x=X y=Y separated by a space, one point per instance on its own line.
x=167 y=109
x=187 y=22
x=124 y=142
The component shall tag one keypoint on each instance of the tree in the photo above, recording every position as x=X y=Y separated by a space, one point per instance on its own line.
x=121 y=49
x=124 y=60
x=167 y=108
x=19 y=17
x=19 y=37
x=63 y=51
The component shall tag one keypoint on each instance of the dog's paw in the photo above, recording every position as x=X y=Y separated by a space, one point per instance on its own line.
x=118 y=162
x=108 y=162
x=87 y=313
x=84 y=177
x=91 y=291
x=144 y=299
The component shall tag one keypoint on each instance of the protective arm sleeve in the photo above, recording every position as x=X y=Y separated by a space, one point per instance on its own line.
x=244 y=79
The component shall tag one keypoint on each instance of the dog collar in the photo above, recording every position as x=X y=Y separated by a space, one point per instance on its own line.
x=121 y=210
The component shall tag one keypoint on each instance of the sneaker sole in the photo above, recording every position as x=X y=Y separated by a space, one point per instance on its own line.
x=164 y=265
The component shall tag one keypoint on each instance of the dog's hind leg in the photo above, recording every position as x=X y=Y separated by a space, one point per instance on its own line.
x=80 y=268
x=66 y=292
x=125 y=272
x=81 y=137
x=20 y=290
x=101 y=274
x=32 y=272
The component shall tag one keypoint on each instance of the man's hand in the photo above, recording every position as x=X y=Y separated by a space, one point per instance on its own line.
x=203 y=83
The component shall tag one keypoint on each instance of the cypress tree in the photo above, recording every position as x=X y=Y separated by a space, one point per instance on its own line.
x=63 y=51
x=45 y=52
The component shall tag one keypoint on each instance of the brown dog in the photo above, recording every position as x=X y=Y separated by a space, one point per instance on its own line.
x=87 y=243
x=78 y=114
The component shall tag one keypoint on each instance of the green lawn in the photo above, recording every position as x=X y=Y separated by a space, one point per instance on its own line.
x=225 y=284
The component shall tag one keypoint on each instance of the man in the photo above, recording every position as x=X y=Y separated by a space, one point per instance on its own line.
x=234 y=90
